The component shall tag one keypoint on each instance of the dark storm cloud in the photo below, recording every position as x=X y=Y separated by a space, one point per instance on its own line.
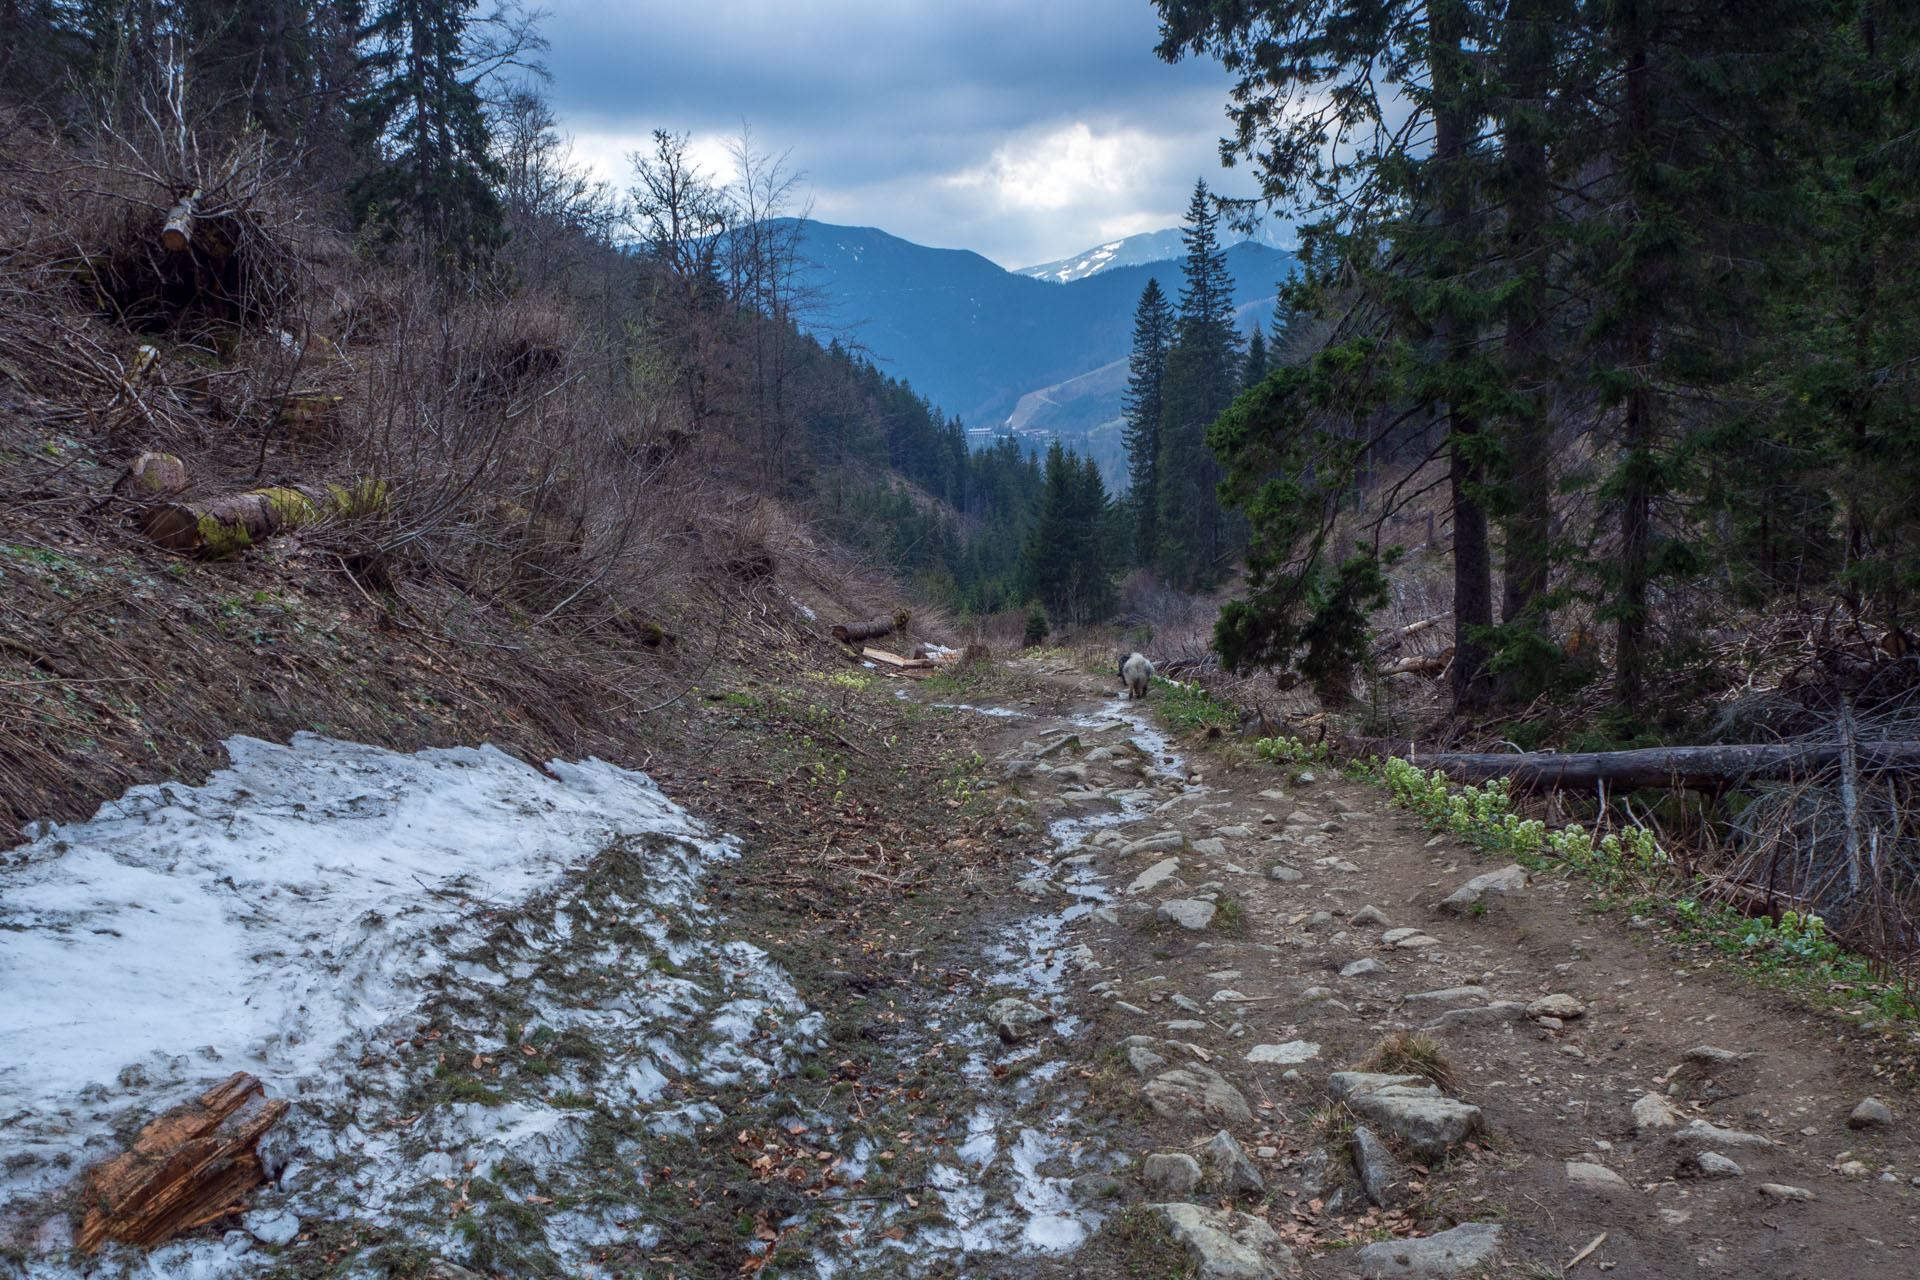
x=1023 y=130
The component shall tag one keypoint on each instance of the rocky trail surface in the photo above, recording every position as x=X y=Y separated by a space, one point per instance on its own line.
x=978 y=976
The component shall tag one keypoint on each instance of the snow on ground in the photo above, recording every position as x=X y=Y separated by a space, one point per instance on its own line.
x=315 y=905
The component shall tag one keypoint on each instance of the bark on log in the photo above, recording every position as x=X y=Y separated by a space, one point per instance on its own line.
x=188 y=1167
x=178 y=233
x=1699 y=768
x=223 y=527
x=856 y=632
x=1432 y=665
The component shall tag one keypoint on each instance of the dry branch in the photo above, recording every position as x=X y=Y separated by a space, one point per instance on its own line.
x=188 y=1167
x=1699 y=768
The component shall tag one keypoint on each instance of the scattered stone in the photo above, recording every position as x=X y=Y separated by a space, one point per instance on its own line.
x=1416 y=941
x=1781 y=1191
x=1595 y=1177
x=1702 y=1134
x=1144 y=1060
x=1319 y=920
x=1012 y=1018
x=1367 y=915
x=1227 y=995
x=1707 y=1056
x=1711 y=1164
x=1186 y=1024
x=1069 y=743
x=441 y=1269
x=1080 y=956
x=1273 y=795
x=1133 y=1009
x=1434 y=1257
x=1188 y=913
x=1018 y=769
x=1211 y=848
x=1283 y=1054
x=1448 y=995
x=1559 y=1005
x=1361 y=968
x=1498 y=1011
x=1173 y=1173
x=1227 y=1245
x=1653 y=1111
x=1035 y=888
x=1375 y=1165
x=1870 y=1114
x=1511 y=878
x=1230 y=1165
x=1107 y=915
x=1853 y=1169
x=1195 y=1093
x=1234 y=832
x=1186 y=1002
x=1312 y=994
x=1411 y=1108
x=1164 y=842
x=1392 y=936
x=1337 y=864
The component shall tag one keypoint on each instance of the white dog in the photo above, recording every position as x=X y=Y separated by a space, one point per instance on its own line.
x=1138 y=673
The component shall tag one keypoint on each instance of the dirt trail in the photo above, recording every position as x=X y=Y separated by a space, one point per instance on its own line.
x=1324 y=938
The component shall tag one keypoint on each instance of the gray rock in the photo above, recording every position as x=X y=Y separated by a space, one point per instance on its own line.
x=1234 y=832
x=1711 y=1164
x=1174 y=1173
x=1781 y=1191
x=1188 y=913
x=1702 y=1134
x=1213 y=847
x=441 y=1269
x=1284 y=874
x=1080 y=956
x=1411 y=1108
x=1013 y=1018
x=1154 y=876
x=1133 y=1009
x=1319 y=920
x=1144 y=1060
x=1434 y=1257
x=1706 y=1055
x=1378 y=1170
x=1196 y=1093
x=1164 y=842
x=1187 y=1003
x=1585 y=1176
x=1367 y=915
x=1653 y=1111
x=1035 y=888
x=1069 y=743
x=271 y=1226
x=1448 y=995
x=1558 y=1005
x=1313 y=994
x=1283 y=1054
x=1392 y=937
x=1415 y=940
x=1230 y=1165
x=1227 y=1245
x=1870 y=1114
x=1361 y=968
x=1511 y=878
x=1018 y=769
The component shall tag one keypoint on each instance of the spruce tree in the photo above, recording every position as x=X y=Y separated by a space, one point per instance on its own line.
x=423 y=121
x=1201 y=378
x=1141 y=410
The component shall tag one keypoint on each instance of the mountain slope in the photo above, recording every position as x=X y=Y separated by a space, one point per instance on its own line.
x=1149 y=246
x=973 y=337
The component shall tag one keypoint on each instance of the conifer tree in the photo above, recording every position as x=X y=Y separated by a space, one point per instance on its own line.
x=1141 y=410
x=1068 y=564
x=1201 y=378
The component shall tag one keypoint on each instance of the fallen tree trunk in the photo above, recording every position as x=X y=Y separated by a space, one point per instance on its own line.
x=225 y=526
x=1699 y=768
x=188 y=1167
x=856 y=632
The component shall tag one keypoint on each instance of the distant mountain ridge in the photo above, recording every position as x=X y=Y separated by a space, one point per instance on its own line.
x=973 y=337
x=1133 y=251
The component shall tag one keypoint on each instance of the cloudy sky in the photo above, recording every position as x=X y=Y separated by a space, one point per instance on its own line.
x=1026 y=130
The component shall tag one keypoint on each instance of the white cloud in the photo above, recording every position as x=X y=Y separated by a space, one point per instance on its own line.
x=1067 y=168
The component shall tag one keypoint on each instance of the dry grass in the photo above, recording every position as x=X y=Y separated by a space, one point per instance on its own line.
x=1409 y=1053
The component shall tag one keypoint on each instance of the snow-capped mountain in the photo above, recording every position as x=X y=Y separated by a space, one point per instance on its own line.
x=1133 y=251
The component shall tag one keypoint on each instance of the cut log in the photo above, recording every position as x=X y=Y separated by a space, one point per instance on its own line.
x=188 y=1167
x=151 y=476
x=178 y=233
x=1432 y=665
x=222 y=527
x=1387 y=640
x=857 y=632
x=1699 y=768
x=895 y=660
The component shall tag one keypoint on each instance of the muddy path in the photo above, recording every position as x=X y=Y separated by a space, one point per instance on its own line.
x=987 y=976
x=1204 y=944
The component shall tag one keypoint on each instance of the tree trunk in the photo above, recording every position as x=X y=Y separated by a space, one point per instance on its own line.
x=190 y=1166
x=178 y=233
x=1699 y=768
x=855 y=632
x=222 y=527
x=1637 y=430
